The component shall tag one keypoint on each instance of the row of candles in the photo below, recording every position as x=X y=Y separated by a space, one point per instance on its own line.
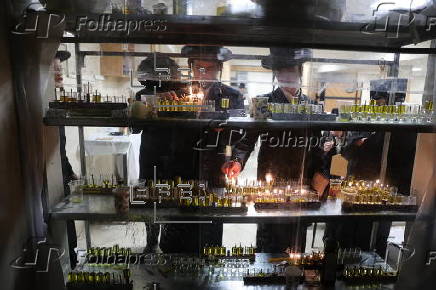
x=236 y=251
x=387 y=113
x=99 y=279
x=364 y=192
x=62 y=95
x=283 y=108
x=186 y=106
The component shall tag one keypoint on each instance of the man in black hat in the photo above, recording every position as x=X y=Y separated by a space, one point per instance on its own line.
x=159 y=147
x=288 y=161
x=67 y=170
x=172 y=151
x=206 y=63
x=287 y=66
x=365 y=158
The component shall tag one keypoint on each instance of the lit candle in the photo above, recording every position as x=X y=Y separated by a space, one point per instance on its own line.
x=268 y=178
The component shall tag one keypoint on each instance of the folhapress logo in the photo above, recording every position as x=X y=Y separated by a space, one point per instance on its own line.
x=106 y=23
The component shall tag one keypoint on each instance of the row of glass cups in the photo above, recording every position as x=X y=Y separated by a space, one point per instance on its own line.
x=285 y=108
x=412 y=113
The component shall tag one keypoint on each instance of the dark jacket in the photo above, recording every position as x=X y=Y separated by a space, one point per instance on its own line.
x=365 y=160
x=286 y=154
x=348 y=149
x=171 y=149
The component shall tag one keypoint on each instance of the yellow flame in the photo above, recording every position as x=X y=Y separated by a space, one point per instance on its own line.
x=268 y=177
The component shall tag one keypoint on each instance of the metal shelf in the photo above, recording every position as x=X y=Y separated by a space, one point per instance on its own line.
x=95 y=207
x=144 y=274
x=243 y=123
x=240 y=31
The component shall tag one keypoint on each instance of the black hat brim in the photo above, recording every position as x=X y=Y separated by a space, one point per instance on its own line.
x=207 y=52
x=63 y=55
x=273 y=62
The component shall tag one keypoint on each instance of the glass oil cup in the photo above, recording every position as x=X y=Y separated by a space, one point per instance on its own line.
x=345 y=113
x=76 y=190
x=355 y=113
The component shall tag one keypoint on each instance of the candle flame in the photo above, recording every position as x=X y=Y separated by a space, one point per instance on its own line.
x=268 y=177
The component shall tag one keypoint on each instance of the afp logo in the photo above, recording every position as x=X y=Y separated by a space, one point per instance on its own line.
x=430 y=258
x=387 y=21
x=38 y=257
x=37 y=21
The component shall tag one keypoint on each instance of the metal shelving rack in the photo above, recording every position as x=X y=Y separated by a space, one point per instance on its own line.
x=249 y=32
x=260 y=32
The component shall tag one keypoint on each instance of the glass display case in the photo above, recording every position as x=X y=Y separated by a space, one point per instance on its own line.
x=245 y=143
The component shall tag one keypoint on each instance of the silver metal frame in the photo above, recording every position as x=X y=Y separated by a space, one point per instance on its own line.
x=80 y=56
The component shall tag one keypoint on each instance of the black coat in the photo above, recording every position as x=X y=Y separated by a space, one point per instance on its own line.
x=283 y=153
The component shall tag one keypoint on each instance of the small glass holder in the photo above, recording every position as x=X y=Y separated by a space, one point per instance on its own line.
x=301 y=109
x=76 y=190
x=344 y=113
x=278 y=108
x=355 y=111
x=288 y=108
x=401 y=111
x=317 y=109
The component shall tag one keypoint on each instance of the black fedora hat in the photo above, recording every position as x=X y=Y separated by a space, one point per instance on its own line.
x=285 y=57
x=63 y=55
x=207 y=52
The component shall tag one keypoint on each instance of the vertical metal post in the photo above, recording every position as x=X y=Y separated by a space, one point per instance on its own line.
x=315 y=225
x=125 y=176
x=393 y=72
x=82 y=151
x=180 y=7
x=79 y=64
x=373 y=238
x=87 y=235
x=384 y=161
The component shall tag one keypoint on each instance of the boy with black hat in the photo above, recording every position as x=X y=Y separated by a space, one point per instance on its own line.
x=280 y=162
x=206 y=63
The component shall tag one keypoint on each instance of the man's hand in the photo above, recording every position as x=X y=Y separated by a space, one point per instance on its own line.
x=328 y=146
x=359 y=142
x=169 y=96
x=231 y=169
